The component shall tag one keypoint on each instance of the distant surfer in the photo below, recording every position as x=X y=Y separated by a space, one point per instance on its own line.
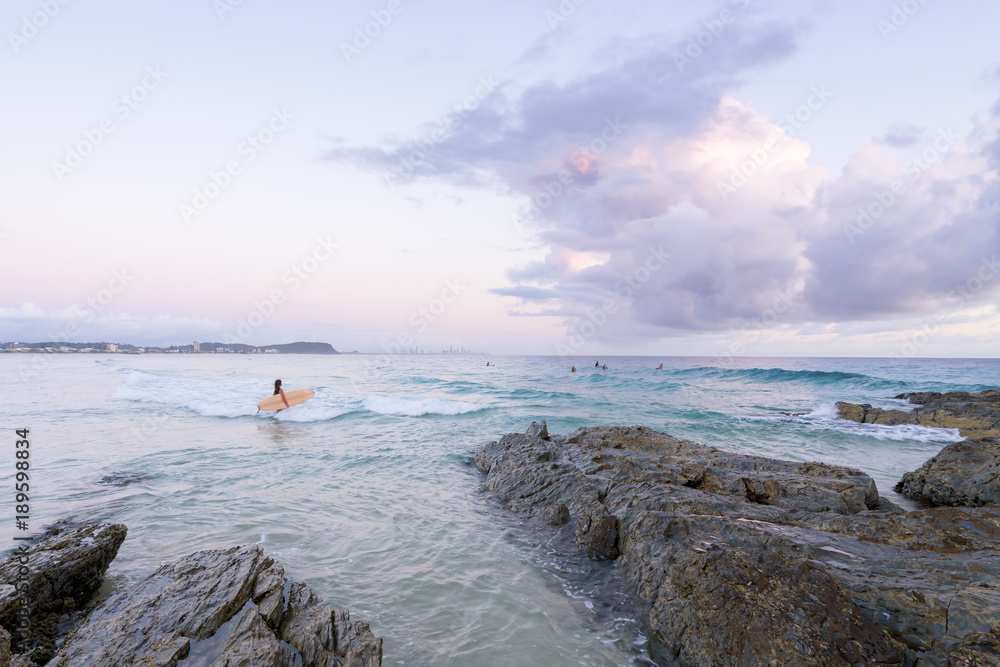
x=605 y=367
x=487 y=363
x=660 y=367
x=279 y=390
x=597 y=363
x=574 y=369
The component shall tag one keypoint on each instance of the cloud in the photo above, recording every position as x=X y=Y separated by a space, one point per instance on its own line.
x=901 y=135
x=651 y=158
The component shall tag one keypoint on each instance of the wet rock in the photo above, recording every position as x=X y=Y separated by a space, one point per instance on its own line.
x=324 y=637
x=962 y=474
x=538 y=430
x=556 y=515
x=253 y=644
x=63 y=568
x=747 y=560
x=159 y=620
x=977 y=649
x=121 y=479
x=976 y=416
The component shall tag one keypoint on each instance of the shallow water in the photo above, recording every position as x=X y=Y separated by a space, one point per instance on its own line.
x=368 y=491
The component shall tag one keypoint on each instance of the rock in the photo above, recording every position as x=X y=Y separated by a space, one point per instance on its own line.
x=976 y=416
x=324 y=637
x=978 y=649
x=556 y=515
x=964 y=474
x=852 y=412
x=747 y=560
x=170 y=614
x=65 y=567
x=538 y=430
x=253 y=644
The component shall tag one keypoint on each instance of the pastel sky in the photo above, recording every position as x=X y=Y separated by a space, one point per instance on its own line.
x=577 y=176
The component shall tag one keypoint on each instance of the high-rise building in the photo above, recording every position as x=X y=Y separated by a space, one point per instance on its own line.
x=197 y=346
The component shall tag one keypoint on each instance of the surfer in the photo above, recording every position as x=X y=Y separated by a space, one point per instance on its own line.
x=605 y=367
x=574 y=369
x=279 y=390
x=597 y=363
x=660 y=367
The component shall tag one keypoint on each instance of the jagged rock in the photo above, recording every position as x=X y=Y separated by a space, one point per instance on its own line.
x=160 y=619
x=976 y=416
x=64 y=562
x=65 y=567
x=253 y=644
x=747 y=560
x=962 y=474
x=978 y=649
x=5 y=653
x=538 y=430
x=324 y=637
x=556 y=515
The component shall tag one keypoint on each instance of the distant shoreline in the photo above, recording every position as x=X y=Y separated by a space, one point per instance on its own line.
x=53 y=347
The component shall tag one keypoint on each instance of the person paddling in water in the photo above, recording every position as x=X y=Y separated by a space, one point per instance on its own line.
x=279 y=390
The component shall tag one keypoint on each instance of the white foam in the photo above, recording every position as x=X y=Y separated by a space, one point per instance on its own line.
x=233 y=398
x=826 y=417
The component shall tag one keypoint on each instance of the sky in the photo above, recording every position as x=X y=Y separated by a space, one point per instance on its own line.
x=739 y=178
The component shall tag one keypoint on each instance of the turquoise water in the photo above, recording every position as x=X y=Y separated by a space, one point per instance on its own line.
x=368 y=492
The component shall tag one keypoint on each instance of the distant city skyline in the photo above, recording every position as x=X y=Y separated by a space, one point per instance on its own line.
x=740 y=178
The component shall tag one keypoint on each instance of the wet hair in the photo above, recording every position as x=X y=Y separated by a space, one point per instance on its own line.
x=277 y=386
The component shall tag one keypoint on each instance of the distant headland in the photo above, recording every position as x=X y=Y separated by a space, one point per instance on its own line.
x=193 y=348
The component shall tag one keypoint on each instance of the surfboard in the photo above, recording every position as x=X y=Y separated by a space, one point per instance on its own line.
x=294 y=398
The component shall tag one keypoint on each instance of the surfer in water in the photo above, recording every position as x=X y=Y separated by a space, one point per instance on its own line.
x=279 y=390
x=660 y=367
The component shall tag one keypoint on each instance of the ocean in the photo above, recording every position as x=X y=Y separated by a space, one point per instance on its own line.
x=369 y=492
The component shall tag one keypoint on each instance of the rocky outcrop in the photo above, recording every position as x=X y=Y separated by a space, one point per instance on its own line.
x=975 y=416
x=751 y=561
x=224 y=607
x=49 y=577
x=964 y=474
